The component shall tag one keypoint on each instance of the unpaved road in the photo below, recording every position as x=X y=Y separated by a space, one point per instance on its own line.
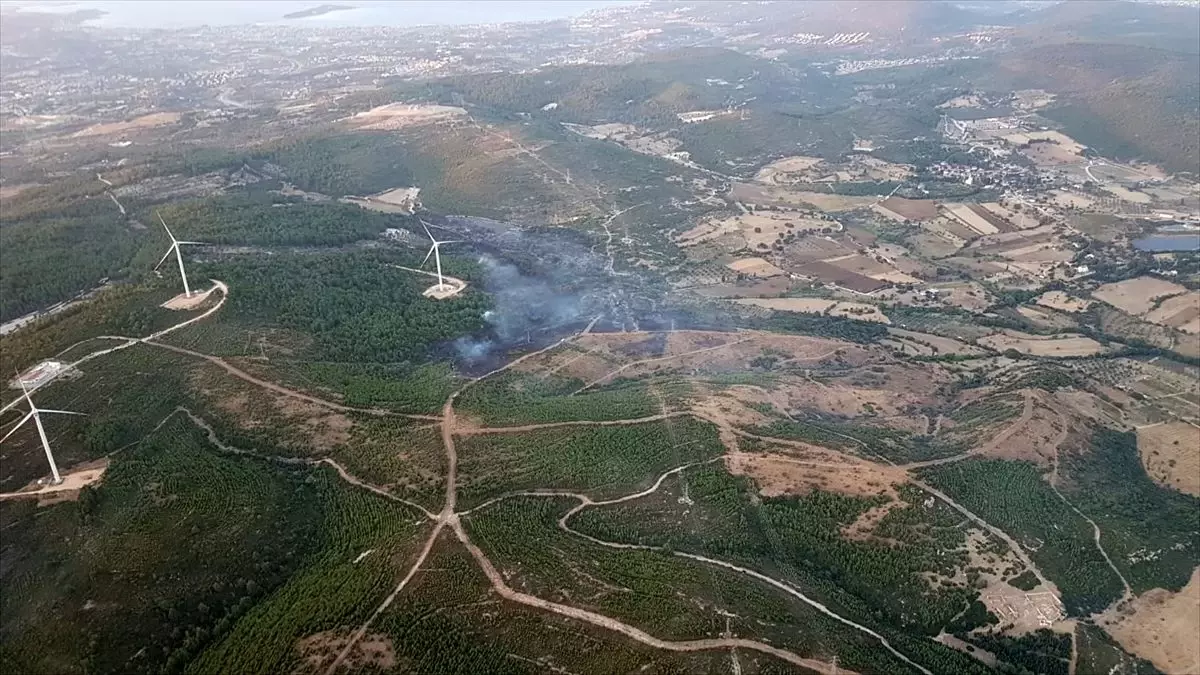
x=631 y=364
x=996 y=441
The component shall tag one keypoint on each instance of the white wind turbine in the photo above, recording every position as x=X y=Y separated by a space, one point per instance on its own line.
x=436 y=253
x=175 y=244
x=35 y=413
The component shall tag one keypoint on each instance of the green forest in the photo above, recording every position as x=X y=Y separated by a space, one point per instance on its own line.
x=263 y=219
x=354 y=306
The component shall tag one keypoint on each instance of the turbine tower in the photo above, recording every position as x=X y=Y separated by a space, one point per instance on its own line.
x=175 y=244
x=35 y=414
x=437 y=255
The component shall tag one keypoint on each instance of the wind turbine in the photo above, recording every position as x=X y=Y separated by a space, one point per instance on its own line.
x=436 y=253
x=175 y=244
x=35 y=413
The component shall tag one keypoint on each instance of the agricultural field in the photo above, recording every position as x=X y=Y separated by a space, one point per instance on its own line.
x=1063 y=345
x=1138 y=296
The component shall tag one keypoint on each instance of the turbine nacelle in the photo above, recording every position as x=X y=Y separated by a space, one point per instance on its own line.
x=435 y=251
x=35 y=415
x=174 y=248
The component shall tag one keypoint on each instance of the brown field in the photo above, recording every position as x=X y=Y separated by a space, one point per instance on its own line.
x=1070 y=199
x=865 y=265
x=766 y=288
x=1063 y=345
x=1129 y=195
x=964 y=214
x=781 y=196
x=770 y=172
x=755 y=267
x=853 y=310
x=835 y=275
x=1001 y=224
x=1137 y=296
x=952 y=231
x=910 y=209
x=1062 y=302
x=755 y=229
x=150 y=121
x=1171 y=454
x=805 y=305
x=1181 y=312
x=944 y=345
x=810 y=249
x=1050 y=154
x=799 y=472
x=1162 y=627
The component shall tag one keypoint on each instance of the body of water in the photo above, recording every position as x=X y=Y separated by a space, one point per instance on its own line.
x=393 y=13
x=1163 y=243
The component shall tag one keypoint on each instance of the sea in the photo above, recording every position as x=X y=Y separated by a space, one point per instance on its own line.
x=394 y=13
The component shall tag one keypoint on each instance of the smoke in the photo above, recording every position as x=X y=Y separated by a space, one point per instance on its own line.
x=523 y=306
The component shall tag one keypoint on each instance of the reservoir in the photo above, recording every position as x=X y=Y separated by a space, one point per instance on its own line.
x=1163 y=243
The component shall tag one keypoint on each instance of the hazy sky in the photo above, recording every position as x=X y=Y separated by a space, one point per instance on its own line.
x=185 y=13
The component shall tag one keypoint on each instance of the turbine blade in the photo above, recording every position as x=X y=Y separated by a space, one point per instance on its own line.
x=18 y=426
x=61 y=412
x=164 y=224
x=427 y=232
x=193 y=243
x=170 y=250
x=452 y=241
x=431 y=250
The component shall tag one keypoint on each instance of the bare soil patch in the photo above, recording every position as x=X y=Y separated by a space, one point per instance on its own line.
x=799 y=472
x=401 y=115
x=1171 y=454
x=187 y=302
x=74 y=479
x=1162 y=627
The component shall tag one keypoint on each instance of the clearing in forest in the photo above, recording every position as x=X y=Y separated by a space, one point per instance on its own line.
x=1171 y=454
x=1162 y=626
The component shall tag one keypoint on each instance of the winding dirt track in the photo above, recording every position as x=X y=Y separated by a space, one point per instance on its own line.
x=271 y=386
x=449 y=517
x=587 y=502
x=1127 y=593
x=471 y=431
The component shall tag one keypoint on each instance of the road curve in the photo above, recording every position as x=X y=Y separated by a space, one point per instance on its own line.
x=506 y=592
